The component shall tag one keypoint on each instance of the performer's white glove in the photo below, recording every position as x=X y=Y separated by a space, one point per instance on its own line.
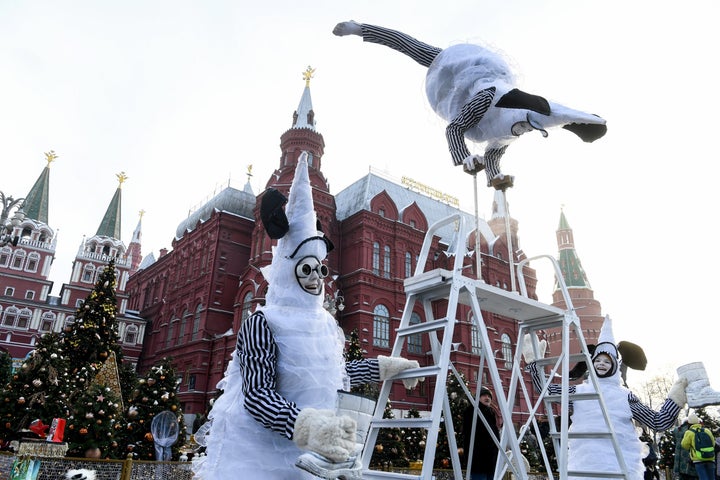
x=677 y=392
x=391 y=366
x=323 y=432
x=473 y=163
x=527 y=348
x=348 y=28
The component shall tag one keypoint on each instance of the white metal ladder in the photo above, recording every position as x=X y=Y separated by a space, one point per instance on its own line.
x=423 y=289
x=569 y=323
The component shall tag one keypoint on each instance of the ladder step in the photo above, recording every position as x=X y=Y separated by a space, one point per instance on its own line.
x=584 y=435
x=402 y=423
x=432 y=325
x=543 y=323
x=573 y=397
x=430 y=371
x=575 y=357
x=579 y=473
x=379 y=475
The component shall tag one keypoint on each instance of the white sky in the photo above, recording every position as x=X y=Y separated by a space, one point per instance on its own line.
x=183 y=96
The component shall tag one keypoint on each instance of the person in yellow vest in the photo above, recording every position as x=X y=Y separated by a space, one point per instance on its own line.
x=700 y=442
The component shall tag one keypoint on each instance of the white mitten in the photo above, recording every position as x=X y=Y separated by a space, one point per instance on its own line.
x=677 y=392
x=527 y=348
x=321 y=431
x=391 y=366
x=347 y=28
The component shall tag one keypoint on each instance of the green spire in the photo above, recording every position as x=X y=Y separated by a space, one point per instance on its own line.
x=110 y=225
x=36 y=202
x=570 y=266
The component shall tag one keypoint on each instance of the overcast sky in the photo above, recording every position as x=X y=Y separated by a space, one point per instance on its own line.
x=182 y=96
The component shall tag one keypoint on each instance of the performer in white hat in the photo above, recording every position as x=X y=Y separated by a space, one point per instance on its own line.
x=598 y=454
x=277 y=412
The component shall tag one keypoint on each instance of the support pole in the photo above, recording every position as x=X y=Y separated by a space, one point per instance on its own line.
x=478 y=260
x=508 y=236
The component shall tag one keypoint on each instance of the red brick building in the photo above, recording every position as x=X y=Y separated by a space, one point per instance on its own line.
x=27 y=310
x=196 y=296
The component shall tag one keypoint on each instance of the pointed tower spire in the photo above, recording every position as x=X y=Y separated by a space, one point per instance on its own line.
x=134 y=250
x=37 y=200
x=304 y=116
x=110 y=225
x=570 y=265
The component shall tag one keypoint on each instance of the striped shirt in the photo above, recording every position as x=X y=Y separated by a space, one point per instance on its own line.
x=659 y=420
x=258 y=356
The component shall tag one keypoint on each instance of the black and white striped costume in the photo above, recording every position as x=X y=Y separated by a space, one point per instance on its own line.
x=258 y=355
x=470 y=115
x=597 y=454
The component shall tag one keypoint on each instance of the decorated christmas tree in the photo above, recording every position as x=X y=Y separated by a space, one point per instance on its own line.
x=666 y=450
x=353 y=353
x=414 y=439
x=156 y=392
x=389 y=449
x=95 y=422
x=458 y=403
x=40 y=390
x=5 y=367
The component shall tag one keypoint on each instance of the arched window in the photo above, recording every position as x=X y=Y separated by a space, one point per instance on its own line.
x=376 y=258
x=32 y=262
x=69 y=322
x=183 y=325
x=5 y=254
x=88 y=275
x=10 y=316
x=18 y=260
x=381 y=326
x=506 y=350
x=386 y=262
x=171 y=332
x=47 y=322
x=408 y=264
x=414 y=342
x=246 y=306
x=475 y=338
x=24 y=317
x=131 y=334
x=196 y=322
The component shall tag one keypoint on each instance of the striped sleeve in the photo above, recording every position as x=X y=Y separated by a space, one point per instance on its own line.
x=538 y=378
x=470 y=115
x=421 y=52
x=660 y=420
x=363 y=371
x=257 y=353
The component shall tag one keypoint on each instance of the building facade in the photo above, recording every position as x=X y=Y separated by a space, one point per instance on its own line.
x=196 y=296
x=27 y=310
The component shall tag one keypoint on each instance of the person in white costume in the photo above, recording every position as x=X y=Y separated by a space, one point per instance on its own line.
x=473 y=89
x=598 y=454
x=277 y=410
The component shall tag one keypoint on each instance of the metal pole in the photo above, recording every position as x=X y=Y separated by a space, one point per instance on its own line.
x=478 y=261
x=508 y=235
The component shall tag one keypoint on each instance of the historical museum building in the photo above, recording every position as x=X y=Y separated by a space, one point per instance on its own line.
x=195 y=297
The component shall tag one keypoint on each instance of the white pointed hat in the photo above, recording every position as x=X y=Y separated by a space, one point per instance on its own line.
x=606 y=344
x=303 y=238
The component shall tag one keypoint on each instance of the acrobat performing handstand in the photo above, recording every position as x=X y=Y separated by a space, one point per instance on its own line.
x=474 y=90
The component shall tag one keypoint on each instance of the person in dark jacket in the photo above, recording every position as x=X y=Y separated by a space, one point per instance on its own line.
x=484 y=450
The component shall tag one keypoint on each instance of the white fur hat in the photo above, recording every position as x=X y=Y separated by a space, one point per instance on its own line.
x=693 y=419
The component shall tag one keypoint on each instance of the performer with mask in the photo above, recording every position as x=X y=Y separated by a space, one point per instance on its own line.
x=280 y=388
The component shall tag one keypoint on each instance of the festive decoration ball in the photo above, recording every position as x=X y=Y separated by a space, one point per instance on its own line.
x=162 y=377
x=378 y=448
x=103 y=354
x=83 y=431
x=173 y=407
x=445 y=463
x=149 y=437
x=98 y=421
x=151 y=381
x=8 y=425
x=21 y=400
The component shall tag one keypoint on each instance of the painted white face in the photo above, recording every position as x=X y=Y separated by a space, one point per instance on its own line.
x=603 y=365
x=521 y=127
x=310 y=273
